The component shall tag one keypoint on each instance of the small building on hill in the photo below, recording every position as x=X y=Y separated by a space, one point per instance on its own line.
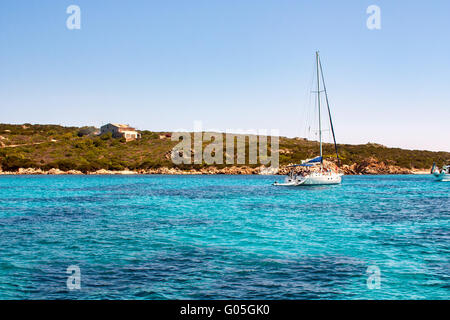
x=120 y=131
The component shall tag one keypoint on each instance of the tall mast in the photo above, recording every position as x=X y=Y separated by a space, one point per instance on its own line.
x=329 y=113
x=318 y=104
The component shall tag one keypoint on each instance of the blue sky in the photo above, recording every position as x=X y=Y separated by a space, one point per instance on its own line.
x=247 y=64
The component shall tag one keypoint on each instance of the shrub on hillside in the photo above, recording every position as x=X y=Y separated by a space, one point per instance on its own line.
x=13 y=163
x=99 y=143
x=66 y=164
x=106 y=136
x=116 y=166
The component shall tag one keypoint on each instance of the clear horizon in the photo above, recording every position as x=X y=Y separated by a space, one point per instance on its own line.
x=232 y=65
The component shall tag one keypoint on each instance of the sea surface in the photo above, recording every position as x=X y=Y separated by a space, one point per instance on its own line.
x=224 y=237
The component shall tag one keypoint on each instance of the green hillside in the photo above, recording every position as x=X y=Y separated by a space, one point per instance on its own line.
x=72 y=148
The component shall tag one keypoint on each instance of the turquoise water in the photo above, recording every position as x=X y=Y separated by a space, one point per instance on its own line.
x=222 y=237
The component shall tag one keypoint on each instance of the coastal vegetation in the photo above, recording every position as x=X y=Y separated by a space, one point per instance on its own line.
x=48 y=147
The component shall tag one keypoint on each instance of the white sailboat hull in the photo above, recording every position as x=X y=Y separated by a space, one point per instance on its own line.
x=441 y=176
x=313 y=179
x=321 y=179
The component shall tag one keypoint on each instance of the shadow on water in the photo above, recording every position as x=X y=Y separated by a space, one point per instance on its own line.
x=201 y=273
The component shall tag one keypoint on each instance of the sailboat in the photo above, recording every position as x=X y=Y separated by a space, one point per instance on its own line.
x=442 y=175
x=316 y=173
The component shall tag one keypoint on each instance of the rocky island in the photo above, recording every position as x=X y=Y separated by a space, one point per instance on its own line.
x=54 y=149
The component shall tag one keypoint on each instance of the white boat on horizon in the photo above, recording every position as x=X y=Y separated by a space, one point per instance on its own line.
x=316 y=173
x=442 y=175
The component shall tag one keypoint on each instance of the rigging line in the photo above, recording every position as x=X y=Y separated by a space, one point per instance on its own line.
x=313 y=122
x=318 y=102
x=329 y=113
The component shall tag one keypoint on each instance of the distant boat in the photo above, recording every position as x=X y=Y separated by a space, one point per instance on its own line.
x=316 y=173
x=442 y=175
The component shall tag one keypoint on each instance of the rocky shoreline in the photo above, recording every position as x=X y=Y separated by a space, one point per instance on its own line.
x=75 y=151
x=368 y=167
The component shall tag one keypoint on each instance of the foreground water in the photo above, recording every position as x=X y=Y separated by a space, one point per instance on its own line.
x=221 y=237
